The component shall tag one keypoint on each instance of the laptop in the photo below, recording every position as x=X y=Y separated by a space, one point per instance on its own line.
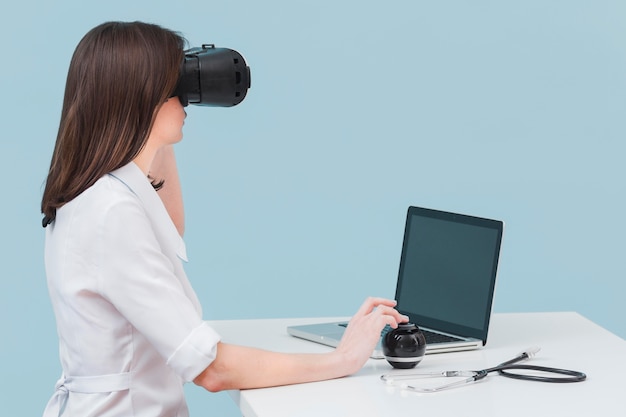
x=446 y=281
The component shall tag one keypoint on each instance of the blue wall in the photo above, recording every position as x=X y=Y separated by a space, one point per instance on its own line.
x=505 y=109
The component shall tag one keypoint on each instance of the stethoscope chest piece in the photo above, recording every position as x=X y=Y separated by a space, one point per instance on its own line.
x=405 y=346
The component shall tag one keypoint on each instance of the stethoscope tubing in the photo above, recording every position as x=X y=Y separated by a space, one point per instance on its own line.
x=570 y=376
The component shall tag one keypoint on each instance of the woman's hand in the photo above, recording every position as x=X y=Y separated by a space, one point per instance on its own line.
x=363 y=331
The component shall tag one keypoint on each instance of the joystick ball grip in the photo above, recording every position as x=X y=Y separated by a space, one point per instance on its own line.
x=405 y=346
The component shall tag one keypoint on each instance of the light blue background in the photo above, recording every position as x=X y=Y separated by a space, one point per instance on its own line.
x=296 y=198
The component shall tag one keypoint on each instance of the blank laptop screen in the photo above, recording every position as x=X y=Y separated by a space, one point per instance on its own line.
x=447 y=271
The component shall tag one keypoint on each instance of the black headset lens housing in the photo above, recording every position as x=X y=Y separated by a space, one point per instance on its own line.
x=210 y=76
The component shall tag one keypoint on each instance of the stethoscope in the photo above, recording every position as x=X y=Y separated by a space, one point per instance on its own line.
x=554 y=375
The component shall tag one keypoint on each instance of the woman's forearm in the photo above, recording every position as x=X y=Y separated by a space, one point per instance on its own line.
x=240 y=367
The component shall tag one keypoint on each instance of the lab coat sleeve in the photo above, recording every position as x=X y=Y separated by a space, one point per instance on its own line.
x=141 y=282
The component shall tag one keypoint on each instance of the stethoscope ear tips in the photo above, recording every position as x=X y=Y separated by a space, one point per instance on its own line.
x=405 y=346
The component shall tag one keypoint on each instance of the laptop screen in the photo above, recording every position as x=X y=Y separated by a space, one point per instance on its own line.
x=448 y=270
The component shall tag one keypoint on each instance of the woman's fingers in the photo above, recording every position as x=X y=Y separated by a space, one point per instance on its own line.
x=390 y=316
x=383 y=308
x=372 y=302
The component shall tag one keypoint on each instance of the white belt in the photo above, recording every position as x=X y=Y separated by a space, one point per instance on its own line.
x=85 y=385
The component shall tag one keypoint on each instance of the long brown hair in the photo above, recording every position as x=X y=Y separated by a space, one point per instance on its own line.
x=120 y=74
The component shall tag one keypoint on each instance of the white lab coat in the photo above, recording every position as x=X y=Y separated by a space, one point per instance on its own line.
x=129 y=323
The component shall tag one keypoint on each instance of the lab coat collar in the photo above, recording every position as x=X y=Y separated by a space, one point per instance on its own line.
x=132 y=176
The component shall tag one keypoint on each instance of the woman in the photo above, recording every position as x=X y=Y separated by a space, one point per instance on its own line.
x=130 y=325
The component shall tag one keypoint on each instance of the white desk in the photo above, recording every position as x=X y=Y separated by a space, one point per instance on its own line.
x=567 y=340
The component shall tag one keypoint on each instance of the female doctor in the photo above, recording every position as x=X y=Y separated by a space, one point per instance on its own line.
x=130 y=326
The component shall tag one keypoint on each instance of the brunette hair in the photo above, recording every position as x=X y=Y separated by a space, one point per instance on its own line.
x=120 y=74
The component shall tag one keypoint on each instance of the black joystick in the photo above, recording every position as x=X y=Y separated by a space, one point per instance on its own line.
x=405 y=346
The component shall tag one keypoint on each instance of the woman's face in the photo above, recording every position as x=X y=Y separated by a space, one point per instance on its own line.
x=168 y=124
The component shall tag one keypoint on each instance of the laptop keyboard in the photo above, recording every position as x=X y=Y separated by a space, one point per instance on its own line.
x=431 y=337
x=439 y=338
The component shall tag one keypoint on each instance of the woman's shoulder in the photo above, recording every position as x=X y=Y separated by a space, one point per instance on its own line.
x=96 y=204
x=120 y=201
x=108 y=191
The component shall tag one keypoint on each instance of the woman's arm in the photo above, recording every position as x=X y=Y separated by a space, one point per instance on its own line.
x=163 y=168
x=238 y=367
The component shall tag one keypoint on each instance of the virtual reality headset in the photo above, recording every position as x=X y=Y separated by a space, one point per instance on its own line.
x=210 y=76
